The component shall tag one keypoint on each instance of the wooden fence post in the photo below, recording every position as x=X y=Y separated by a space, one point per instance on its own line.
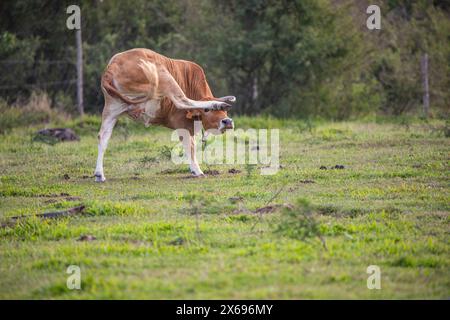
x=80 y=104
x=426 y=92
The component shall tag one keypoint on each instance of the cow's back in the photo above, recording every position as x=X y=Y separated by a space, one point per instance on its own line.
x=126 y=75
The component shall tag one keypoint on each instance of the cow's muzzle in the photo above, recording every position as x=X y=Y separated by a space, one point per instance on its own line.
x=225 y=124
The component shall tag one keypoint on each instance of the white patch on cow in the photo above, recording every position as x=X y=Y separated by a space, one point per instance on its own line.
x=151 y=108
x=116 y=85
x=132 y=96
x=117 y=107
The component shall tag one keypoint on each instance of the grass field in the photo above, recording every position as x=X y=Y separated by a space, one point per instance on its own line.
x=160 y=235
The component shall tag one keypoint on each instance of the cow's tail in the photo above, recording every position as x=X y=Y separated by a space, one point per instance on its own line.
x=151 y=74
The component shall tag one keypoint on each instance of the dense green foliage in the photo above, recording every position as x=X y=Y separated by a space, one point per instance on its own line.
x=287 y=58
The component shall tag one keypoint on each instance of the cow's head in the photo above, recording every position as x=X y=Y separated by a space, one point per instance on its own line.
x=214 y=119
x=218 y=120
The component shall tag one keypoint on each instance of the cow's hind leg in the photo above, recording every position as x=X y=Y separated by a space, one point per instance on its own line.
x=168 y=87
x=109 y=119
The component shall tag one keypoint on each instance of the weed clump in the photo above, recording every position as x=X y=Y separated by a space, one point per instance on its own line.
x=298 y=222
x=249 y=169
x=165 y=152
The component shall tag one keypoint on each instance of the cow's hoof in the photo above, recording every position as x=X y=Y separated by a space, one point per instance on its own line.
x=197 y=174
x=99 y=178
x=219 y=106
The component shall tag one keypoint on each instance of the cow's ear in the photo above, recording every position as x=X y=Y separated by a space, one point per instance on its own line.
x=192 y=114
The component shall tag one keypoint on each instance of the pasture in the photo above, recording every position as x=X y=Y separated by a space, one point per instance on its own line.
x=151 y=232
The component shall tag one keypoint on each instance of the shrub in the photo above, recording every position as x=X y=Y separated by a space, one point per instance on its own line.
x=298 y=222
x=36 y=110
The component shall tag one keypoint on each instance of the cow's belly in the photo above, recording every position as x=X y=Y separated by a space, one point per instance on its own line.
x=144 y=112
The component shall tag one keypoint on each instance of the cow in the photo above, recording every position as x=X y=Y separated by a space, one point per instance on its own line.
x=157 y=90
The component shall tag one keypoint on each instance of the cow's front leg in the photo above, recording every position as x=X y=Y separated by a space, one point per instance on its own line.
x=106 y=129
x=189 y=149
x=193 y=166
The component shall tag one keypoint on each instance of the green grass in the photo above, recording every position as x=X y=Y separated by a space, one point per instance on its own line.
x=162 y=236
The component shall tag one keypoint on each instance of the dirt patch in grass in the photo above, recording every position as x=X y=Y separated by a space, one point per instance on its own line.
x=307 y=181
x=206 y=173
x=48 y=215
x=337 y=167
x=55 y=135
x=53 y=195
x=267 y=209
x=62 y=196
x=175 y=171
x=87 y=237
x=236 y=199
x=264 y=210
x=212 y=172
x=191 y=176
x=50 y=201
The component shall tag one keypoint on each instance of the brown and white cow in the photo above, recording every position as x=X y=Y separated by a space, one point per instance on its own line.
x=157 y=90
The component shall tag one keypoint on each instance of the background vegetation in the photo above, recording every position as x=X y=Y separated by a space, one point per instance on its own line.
x=286 y=58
